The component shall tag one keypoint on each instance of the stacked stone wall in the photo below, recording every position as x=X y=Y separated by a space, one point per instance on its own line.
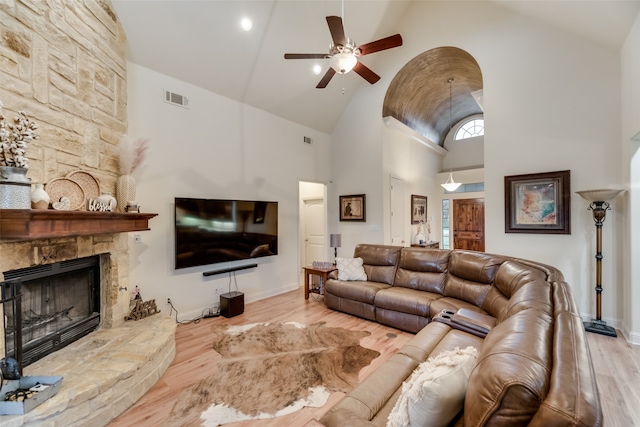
x=63 y=62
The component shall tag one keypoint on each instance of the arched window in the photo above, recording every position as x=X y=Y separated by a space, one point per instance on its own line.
x=469 y=129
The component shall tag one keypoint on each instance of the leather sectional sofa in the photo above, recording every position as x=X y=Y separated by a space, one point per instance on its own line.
x=533 y=365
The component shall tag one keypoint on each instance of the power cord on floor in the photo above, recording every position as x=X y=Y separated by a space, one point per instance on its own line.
x=206 y=313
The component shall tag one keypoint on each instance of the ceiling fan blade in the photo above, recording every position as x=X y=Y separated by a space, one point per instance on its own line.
x=337 y=30
x=382 y=44
x=366 y=73
x=305 y=55
x=327 y=77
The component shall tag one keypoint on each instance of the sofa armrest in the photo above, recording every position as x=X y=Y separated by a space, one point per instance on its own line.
x=344 y=417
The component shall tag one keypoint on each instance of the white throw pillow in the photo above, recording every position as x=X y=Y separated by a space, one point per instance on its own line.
x=434 y=394
x=350 y=269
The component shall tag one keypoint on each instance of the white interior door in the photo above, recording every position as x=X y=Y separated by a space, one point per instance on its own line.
x=314 y=231
x=397 y=211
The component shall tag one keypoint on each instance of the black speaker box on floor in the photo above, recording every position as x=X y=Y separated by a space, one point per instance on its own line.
x=232 y=304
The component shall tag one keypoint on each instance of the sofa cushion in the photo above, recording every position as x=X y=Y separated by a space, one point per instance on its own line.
x=354 y=290
x=422 y=269
x=405 y=300
x=380 y=261
x=471 y=275
x=435 y=392
x=350 y=269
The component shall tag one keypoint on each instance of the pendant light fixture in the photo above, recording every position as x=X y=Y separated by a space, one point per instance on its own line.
x=451 y=185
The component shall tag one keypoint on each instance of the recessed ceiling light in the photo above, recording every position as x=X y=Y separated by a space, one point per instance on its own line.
x=317 y=69
x=246 y=24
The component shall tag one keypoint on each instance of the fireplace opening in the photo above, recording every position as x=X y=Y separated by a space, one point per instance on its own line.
x=58 y=304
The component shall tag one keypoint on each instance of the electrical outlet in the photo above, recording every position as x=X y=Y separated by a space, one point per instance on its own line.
x=169 y=301
x=218 y=290
x=137 y=238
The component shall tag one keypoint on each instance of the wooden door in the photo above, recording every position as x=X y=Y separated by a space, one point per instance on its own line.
x=468 y=224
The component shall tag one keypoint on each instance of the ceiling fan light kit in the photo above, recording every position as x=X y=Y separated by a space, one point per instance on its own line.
x=343 y=54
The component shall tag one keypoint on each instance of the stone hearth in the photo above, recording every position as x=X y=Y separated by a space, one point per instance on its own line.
x=104 y=373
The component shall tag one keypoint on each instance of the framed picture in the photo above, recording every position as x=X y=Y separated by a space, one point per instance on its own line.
x=353 y=208
x=418 y=209
x=538 y=203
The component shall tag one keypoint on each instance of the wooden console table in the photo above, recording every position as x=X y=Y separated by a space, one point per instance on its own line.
x=322 y=272
x=433 y=245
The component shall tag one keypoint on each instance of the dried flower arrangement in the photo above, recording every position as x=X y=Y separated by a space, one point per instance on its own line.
x=14 y=139
x=132 y=153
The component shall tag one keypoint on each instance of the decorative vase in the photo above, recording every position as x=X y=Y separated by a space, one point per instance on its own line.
x=125 y=191
x=15 y=188
x=107 y=200
x=39 y=198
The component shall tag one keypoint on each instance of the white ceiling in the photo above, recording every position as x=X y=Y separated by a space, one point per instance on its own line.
x=201 y=42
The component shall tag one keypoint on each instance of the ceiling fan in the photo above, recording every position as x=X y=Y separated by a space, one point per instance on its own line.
x=343 y=53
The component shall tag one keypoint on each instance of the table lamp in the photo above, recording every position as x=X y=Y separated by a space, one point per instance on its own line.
x=335 y=240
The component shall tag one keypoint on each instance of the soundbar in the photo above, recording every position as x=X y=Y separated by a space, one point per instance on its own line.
x=228 y=270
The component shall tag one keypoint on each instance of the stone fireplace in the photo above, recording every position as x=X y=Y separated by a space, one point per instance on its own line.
x=107 y=370
x=110 y=253
x=58 y=304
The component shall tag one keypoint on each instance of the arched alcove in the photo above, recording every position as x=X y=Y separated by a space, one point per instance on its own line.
x=419 y=95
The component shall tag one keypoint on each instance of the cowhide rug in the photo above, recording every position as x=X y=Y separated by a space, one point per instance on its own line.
x=272 y=369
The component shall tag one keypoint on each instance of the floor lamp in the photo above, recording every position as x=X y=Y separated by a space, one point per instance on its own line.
x=599 y=206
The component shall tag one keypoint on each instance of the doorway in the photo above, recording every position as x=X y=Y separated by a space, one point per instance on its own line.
x=313 y=223
x=468 y=224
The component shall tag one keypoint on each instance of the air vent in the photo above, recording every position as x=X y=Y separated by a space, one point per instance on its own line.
x=176 y=99
x=308 y=140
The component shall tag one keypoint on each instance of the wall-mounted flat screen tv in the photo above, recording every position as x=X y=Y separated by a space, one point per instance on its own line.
x=210 y=231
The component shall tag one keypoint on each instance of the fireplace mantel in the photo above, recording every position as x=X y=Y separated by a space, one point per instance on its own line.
x=31 y=224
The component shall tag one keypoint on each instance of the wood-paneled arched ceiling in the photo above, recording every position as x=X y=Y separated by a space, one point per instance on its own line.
x=418 y=95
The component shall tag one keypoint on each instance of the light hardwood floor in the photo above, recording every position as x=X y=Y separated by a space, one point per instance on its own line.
x=616 y=362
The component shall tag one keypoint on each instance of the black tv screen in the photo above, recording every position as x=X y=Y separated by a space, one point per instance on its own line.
x=210 y=231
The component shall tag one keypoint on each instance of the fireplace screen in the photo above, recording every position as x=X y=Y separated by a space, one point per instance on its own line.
x=59 y=303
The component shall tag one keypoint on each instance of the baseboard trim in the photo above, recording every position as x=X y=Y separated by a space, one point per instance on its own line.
x=630 y=336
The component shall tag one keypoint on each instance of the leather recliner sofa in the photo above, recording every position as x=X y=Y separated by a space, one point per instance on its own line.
x=533 y=366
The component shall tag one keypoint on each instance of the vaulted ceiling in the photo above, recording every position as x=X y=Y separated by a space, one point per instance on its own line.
x=200 y=42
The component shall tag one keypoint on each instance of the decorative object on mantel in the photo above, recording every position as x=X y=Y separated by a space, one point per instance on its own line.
x=143 y=309
x=104 y=203
x=39 y=198
x=15 y=187
x=132 y=206
x=132 y=154
x=64 y=187
x=90 y=185
x=599 y=207
x=64 y=204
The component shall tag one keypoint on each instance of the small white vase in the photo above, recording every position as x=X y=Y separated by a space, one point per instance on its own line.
x=39 y=198
x=125 y=190
x=108 y=201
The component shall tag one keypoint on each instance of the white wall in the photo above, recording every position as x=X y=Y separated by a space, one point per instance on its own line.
x=218 y=148
x=417 y=164
x=464 y=153
x=552 y=102
x=630 y=239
